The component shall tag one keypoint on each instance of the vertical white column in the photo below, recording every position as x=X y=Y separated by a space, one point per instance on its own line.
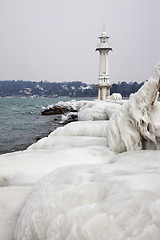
x=107 y=72
x=104 y=93
x=99 y=94
x=100 y=63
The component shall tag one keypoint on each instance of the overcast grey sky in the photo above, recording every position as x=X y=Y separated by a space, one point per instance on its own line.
x=55 y=40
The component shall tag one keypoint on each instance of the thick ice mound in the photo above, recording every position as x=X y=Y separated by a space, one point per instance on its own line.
x=98 y=110
x=137 y=125
x=114 y=201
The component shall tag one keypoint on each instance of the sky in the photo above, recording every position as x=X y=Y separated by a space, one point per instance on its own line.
x=55 y=40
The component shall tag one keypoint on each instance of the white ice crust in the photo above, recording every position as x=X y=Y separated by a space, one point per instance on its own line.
x=71 y=185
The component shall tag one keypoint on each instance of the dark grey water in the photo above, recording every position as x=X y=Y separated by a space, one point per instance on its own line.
x=21 y=122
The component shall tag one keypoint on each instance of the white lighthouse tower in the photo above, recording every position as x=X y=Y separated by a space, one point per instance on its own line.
x=104 y=85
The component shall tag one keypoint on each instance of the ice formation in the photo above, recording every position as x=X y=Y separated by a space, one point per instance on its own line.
x=136 y=126
x=114 y=201
x=116 y=96
x=98 y=110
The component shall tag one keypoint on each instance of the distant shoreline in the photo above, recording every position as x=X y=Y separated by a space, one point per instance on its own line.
x=63 y=89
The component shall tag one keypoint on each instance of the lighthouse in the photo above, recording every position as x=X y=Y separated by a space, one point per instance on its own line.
x=103 y=85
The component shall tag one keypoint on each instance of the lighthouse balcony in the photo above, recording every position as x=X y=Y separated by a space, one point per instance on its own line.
x=104 y=84
x=103 y=46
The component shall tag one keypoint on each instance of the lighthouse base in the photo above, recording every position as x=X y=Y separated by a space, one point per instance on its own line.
x=103 y=92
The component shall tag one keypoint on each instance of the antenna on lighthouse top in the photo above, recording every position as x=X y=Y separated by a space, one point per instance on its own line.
x=104 y=27
x=104 y=33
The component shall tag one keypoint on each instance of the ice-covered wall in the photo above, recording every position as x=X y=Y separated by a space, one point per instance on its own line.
x=135 y=127
x=84 y=128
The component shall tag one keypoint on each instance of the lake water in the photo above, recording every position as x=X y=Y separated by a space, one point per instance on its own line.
x=21 y=122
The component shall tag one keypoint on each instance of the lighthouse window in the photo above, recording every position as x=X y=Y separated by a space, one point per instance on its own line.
x=104 y=40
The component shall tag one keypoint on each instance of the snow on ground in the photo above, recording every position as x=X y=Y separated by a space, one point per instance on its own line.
x=86 y=191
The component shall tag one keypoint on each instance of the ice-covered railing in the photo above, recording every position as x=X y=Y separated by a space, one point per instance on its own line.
x=137 y=125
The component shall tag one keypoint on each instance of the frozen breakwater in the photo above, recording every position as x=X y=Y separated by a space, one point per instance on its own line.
x=74 y=184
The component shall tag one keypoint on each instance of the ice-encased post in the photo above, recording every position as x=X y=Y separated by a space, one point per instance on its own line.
x=157 y=69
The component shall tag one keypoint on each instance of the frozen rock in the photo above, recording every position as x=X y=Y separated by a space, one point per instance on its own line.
x=57 y=109
x=116 y=96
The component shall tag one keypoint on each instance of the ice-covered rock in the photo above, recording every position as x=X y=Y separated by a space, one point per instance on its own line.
x=64 y=107
x=69 y=117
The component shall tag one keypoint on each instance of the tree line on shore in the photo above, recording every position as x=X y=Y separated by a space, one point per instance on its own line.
x=53 y=89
